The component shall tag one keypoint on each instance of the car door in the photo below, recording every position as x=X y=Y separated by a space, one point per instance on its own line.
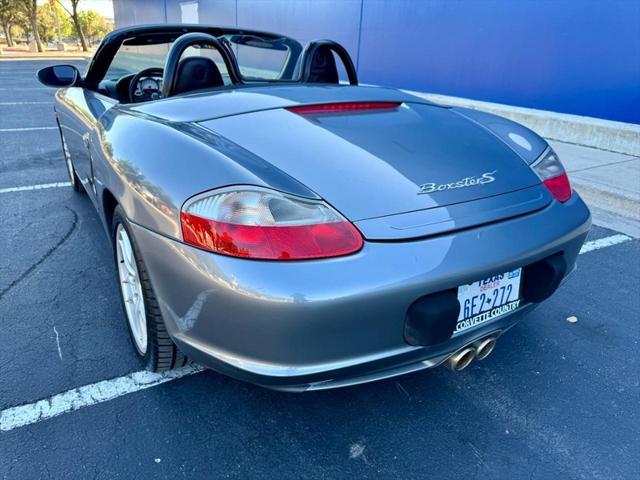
x=78 y=111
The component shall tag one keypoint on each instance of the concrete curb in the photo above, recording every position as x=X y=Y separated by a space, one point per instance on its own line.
x=591 y=132
x=44 y=57
x=48 y=55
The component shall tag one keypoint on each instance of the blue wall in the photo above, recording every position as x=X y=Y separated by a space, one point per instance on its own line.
x=572 y=56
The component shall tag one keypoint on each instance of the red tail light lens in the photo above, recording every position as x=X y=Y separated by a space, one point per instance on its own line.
x=342 y=107
x=559 y=187
x=553 y=176
x=268 y=225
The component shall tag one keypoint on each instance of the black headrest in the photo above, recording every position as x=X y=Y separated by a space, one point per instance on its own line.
x=196 y=73
x=323 y=67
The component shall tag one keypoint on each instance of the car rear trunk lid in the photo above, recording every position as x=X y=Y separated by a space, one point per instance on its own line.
x=393 y=162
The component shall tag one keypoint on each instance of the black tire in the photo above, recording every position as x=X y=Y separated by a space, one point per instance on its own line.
x=71 y=172
x=162 y=354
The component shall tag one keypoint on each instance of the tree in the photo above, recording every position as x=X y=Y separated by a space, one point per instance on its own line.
x=30 y=9
x=93 y=24
x=75 y=18
x=52 y=21
x=22 y=25
x=8 y=14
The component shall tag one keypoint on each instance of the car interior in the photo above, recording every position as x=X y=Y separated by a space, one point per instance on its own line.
x=198 y=61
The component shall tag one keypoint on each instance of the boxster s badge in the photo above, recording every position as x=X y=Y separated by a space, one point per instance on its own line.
x=486 y=177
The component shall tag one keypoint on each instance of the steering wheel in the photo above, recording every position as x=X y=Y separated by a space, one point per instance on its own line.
x=147 y=72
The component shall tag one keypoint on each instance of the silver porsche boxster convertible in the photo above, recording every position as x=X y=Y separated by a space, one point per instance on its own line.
x=275 y=221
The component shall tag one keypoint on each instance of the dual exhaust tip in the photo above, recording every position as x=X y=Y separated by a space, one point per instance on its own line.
x=475 y=351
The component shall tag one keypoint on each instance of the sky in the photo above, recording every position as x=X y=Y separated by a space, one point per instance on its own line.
x=104 y=7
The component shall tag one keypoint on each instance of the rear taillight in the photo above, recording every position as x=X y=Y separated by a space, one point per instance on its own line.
x=553 y=176
x=342 y=107
x=252 y=222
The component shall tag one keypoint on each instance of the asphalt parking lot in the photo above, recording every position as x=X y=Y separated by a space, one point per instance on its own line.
x=556 y=400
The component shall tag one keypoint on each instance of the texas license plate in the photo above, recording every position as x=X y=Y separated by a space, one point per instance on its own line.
x=488 y=299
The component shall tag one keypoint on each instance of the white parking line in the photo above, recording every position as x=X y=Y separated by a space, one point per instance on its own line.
x=26 y=129
x=87 y=395
x=24 y=103
x=35 y=187
x=604 y=242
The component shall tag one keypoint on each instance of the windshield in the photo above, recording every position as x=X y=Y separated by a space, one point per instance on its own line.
x=258 y=58
x=133 y=58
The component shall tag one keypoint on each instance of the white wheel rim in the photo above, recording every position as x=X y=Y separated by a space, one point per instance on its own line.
x=131 y=289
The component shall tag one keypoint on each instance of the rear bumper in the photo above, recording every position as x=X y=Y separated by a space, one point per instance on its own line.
x=335 y=322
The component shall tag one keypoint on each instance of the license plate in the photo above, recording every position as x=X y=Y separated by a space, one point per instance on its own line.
x=488 y=299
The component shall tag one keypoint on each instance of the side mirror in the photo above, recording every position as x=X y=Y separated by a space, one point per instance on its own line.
x=59 y=76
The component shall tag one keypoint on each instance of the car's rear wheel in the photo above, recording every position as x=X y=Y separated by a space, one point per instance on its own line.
x=146 y=326
x=73 y=177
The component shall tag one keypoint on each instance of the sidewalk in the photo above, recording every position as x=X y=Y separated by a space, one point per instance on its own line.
x=45 y=56
x=608 y=182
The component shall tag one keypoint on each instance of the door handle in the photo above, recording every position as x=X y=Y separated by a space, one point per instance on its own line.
x=86 y=139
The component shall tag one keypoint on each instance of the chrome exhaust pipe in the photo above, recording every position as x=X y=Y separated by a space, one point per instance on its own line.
x=461 y=359
x=484 y=347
